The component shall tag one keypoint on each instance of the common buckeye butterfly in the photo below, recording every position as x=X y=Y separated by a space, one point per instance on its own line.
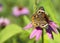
x=40 y=18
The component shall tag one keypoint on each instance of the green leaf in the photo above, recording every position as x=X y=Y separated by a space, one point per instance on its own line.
x=26 y=19
x=9 y=31
x=24 y=37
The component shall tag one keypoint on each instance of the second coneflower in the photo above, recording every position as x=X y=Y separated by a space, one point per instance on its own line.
x=17 y=11
x=40 y=21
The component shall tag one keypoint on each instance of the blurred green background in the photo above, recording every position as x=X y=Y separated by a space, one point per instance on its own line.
x=14 y=32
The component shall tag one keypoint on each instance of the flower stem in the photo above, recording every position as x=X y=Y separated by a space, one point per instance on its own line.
x=42 y=36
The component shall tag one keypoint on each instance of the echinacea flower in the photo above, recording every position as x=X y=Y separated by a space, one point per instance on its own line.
x=37 y=32
x=1 y=8
x=4 y=22
x=17 y=11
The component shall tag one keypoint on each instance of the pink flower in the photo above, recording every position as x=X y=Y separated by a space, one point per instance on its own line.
x=4 y=22
x=17 y=11
x=37 y=32
x=1 y=8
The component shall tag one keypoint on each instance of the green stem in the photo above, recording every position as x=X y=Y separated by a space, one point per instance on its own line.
x=42 y=36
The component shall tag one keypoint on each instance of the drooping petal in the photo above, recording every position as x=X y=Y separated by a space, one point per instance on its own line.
x=38 y=34
x=54 y=24
x=49 y=32
x=50 y=35
x=28 y=26
x=33 y=33
x=54 y=27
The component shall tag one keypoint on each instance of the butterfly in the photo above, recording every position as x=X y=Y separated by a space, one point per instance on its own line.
x=40 y=18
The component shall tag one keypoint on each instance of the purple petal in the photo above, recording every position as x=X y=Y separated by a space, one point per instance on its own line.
x=33 y=33
x=28 y=26
x=50 y=35
x=54 y=26
x=38 y=34
x=49 y=32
